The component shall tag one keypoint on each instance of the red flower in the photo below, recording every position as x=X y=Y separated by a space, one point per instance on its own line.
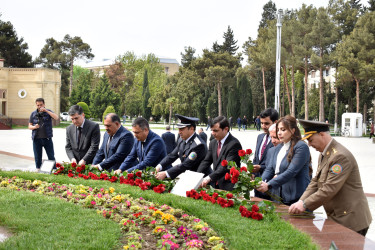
x=215 y=195
x=224 y=163
x=232 y=170
x=241 y=152
x=234 y=180
x=74 y=164
x=78 y=169
x=70 y=175
x=139 y=174
x=229 y=195
x=227 y=176
x=130 y=176
x=255 y=208
x=235 y=174
x=249 y=151
x=58 y=165
x=243 y=169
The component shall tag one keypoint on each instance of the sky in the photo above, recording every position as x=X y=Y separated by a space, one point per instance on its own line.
x=161 y=27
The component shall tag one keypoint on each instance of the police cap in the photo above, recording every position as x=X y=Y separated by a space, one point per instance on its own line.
x=186 y=121
x=313 y=127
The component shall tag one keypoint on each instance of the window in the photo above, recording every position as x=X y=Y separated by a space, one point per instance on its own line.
x=347 y=122
x=313 y=74
x=166 y=70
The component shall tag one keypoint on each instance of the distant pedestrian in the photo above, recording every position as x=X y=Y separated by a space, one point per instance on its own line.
x=244 y=123
x=169 y=139
x=202 y=135
x=257 y=122
x=209 y=121
x=239 y=121
x=123 y=119
x=230 y=123
x=254 y=121
x=372 y=130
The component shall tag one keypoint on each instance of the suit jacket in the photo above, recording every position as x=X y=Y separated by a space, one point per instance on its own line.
x=169 y=141
x=191 y=154
x=88 y=145
x=153 y=152
x=203 y=136
x=337 y=186
x=261 y=161
x=229 y=152
x=293 y=177
x=118 y=148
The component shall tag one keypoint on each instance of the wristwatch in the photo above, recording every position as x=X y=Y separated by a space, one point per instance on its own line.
x=304 y=205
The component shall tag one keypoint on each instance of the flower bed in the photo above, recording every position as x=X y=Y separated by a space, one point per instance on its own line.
x=144 y=223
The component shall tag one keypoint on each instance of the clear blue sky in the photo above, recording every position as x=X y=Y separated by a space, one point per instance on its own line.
x=144 y=26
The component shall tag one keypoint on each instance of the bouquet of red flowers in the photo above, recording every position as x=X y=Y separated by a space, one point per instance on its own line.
x=241 y=177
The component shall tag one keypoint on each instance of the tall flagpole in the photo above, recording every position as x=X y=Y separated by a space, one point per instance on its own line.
x=278 y=55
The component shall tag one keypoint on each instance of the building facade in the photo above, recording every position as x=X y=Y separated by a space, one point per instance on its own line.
x=20 y=87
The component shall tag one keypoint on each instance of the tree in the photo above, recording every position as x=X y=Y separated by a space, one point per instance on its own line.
x=229 y=45
x=83 y=82
x=86 y=109
x=146 y=97
x=13 y=49
x=269 y=11
x=187 y=57
x=324 y=34
x=108 y=110
x=217 y=75
x=74 y=48
x=102 y=97
x=306 y=17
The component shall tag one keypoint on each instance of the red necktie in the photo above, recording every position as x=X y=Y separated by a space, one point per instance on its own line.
x=218 y=149
x=264 y=147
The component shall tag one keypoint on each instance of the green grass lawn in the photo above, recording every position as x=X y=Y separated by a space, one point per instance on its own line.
x=239 y=232
x=41 y=222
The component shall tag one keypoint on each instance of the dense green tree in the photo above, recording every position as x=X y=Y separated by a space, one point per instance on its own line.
x=86 y=109
x=229 y=44
x=269 y=13
x=187 y=57
x=108 y=110
x=103 y=96
x=13 y=49
x=74 y=48
x=372 y=5
x=83 y=82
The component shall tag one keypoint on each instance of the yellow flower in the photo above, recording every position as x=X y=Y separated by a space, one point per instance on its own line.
x=117 y=197
x=111 y=190
x=167 y=217
x=37 y=182
x=82 y=191
x=126 y=247
x=198 y=227
x=214 y=239
x=4 y=183
x=157 y=213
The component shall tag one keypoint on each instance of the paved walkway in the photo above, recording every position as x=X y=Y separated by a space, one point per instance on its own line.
x=16 y=152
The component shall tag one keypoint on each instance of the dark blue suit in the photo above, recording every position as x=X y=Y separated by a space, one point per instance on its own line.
x=261 y=161
x=119 y=148
x=153 y=152
x=293 y=177
x=169 y=141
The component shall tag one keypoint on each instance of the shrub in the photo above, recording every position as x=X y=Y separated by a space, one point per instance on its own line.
x=86 y=109
x=109 y=109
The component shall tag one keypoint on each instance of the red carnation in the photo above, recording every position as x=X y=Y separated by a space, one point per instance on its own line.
x=243 y=169
x=235 y=174
x=58 y=165
x=224 y=163
x=227 y=176
x=229 y=195
x=234 y=180
x=139 y=174
x=241 y=152
x=249 y=151
x=74 y=164
x=70 y=175
x=130 y=176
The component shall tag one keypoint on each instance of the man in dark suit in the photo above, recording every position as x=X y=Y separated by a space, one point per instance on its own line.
x=224 y=147
x=203 y=135
x=117 y=143
x=190 y=149
x=82 y=137
x=267 y=118
x=169 y=140
x=148 y=150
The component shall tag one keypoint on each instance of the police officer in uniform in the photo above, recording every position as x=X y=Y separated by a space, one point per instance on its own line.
x=190 y=149
x=337 y=184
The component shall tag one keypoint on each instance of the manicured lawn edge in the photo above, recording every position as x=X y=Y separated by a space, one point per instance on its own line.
x=239 y=232
x=42 y=222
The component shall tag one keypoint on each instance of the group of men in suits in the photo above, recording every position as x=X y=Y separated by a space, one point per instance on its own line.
x=336 y=186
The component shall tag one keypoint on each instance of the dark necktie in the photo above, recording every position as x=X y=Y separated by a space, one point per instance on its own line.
x=79 y=135
x=218 y=149
x=264 y=146
x=109 y=141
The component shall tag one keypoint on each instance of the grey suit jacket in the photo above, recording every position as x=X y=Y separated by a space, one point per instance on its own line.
x=89 y=143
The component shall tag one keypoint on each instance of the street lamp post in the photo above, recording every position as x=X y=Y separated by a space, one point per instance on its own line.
x=278 y=55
